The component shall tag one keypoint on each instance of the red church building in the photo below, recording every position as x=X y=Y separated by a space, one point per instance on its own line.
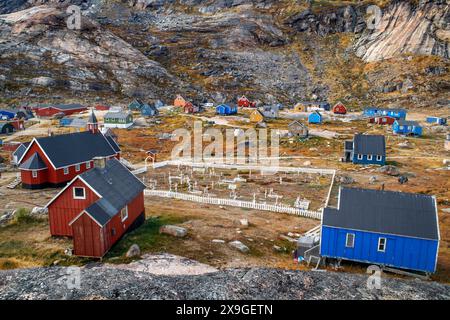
x=339 y=108
x=55 y=160
x=98 y=207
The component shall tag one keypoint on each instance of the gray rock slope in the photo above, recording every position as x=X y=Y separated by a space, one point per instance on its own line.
x=110 y=283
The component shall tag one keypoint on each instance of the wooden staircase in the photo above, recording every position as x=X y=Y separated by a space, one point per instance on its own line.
x=14 y=183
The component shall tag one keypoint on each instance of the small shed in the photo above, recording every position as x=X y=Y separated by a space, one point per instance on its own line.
x=179 y=102
x=64 y=122
x=101 y=107
x=437 y=120
x=271 y=112
x=256 y=116
x=301 y=107
x=315 y=117
x=339 y=108
x=226 y=110
x=298 y=129
x=409 y=128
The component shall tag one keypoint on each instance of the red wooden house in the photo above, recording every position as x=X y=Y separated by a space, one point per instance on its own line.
x=51 y=110
x=98 y=207
x=383 y=120
x=55 y=160
x=339 y=108
x=190 y=108
x=243 y=102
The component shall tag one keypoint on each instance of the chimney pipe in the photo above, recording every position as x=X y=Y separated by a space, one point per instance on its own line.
x=99 y=162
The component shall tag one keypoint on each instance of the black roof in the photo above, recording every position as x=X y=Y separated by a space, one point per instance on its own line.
x=34 y=162
x=117 y=187
x=396 y=213
x=369 y=144
x=68 y=149
x=348 y=145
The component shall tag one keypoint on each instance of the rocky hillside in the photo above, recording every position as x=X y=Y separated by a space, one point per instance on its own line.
x=213 y=49
x=194 y=281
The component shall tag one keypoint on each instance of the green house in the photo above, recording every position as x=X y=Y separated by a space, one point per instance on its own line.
x=118 y=119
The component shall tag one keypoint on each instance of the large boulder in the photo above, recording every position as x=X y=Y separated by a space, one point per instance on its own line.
x=134 y=251
x=389 y=170
x=173 y=231
x=239 y=246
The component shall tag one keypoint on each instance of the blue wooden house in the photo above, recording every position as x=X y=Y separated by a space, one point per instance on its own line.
x=386 y=228
x=371 y=111
x=366 y=149
x=149 y=110
x=64 y=122
x=135 y=105
x=226 y=110
x=409 y=128
x=437 y=120
x=7 y=114
x=315 y=117
x=394 y=113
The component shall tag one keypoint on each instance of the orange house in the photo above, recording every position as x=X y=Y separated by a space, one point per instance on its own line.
x=256 y=116
x=179 y=101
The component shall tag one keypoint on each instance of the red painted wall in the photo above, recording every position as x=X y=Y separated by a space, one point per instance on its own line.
x=56 y=176
x=65 y=208
x=90 y=240
x=26 y=176
x=87 y=238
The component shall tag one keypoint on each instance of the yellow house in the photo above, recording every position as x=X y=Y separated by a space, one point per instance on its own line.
x=300 y=107
x=256 y=116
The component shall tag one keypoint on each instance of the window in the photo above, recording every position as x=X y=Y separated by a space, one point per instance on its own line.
x=88 y=165
x=401 y=127
x=66 y=170
x=360 y=156
x=369 y=157
x=350 y=240
x=77 y=167
x=379 y=158
x=79 y=193
x=34 y=174
x=124 y=214
x=113 y=231
x=382 y=244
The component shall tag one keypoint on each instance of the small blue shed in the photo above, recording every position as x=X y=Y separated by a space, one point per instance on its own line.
x=409 y=128
x=225 y=109
x=386 y=228
x=371 y=111
x=315 y=117
x=437 y=120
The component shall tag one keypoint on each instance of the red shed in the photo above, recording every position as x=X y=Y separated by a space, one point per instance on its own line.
x=384 y=120
x=51 y=110
x=339 y=108
x=243 y=102
x=98 y=207
x=190 y=108
x=53 y=161
x=18 y=124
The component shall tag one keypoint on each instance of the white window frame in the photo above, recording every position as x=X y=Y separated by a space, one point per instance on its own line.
x=79 y=197
x=34 y=173
x=347 y=238
x=360 y=156
x=88 y=165
x=384 y=244
x=369 y=157
x=124 y=213
x=66 y=170
x=77 y=167
x=379 y=158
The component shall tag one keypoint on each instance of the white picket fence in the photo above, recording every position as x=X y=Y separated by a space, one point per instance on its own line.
x=234 y=203
x=139 y=171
